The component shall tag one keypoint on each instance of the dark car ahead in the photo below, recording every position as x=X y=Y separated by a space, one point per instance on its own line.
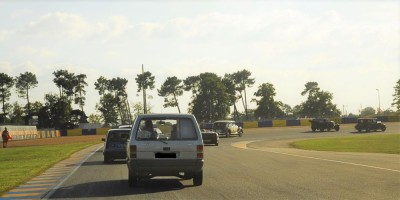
x=369 y=124
x=323 y=124
x=115 y=144
x=210 y=137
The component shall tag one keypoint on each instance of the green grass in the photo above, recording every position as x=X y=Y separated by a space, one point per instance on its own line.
x=385 y=143
x=18 y=165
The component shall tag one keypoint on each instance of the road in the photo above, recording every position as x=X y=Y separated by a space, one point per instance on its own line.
x=258 y=165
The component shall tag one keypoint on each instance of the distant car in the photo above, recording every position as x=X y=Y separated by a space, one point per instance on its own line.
x=369 y=124
x=210 y=137
x=323 y=124
x=227 y=128
x=176 y=151
x=115 y=144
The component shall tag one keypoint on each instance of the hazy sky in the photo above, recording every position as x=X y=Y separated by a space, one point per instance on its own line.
x=351 y=48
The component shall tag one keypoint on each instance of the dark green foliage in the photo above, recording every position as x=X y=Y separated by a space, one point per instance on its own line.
x=145 y=81
x=113 y=103
x=80 y=90
x=242 y=81
x=6 y=83
x=211 y=101
x=171 y=88
x=267 y=108
x=24 y=82
x=56 y=112
x=318 y=104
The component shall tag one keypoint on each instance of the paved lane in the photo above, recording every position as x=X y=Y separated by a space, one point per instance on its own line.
x=264 y=169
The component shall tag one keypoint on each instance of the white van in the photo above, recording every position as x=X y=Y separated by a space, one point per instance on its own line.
x=175 y=149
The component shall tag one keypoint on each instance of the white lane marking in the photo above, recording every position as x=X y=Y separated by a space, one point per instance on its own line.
x=243 y=145
x=54 y=189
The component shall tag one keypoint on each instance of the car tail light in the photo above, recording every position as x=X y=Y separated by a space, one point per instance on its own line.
x=200 y=151
x=133 y=151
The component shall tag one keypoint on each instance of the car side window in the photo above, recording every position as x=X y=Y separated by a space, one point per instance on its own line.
x=187 y=129
x=146 y=129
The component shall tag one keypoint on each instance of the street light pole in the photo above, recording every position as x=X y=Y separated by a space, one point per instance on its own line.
x=379 y=102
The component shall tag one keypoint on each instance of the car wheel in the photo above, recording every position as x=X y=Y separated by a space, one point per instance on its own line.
x=383 y=129
x=198 y=178
x=337 y=128
x=132 y=179
x=359 y=130
x=227 y=134
x=313 y=129
x=107 y=159
x=240 y=133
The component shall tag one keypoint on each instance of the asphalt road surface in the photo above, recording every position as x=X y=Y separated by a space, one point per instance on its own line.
x=259 y=165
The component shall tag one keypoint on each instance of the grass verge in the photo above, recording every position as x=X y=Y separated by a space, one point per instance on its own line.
x=19 y=165
x=387 y=143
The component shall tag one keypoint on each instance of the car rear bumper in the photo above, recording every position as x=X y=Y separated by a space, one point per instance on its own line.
x=115 y=154
x=165 y=167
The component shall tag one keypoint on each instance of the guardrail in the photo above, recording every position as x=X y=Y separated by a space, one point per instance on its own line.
x=20 y=132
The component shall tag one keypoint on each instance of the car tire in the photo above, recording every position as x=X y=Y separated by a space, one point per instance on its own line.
x=198 y=178
x=313 y=129
x=383 y=129
x=228 y=134
x=107 y=160
x=240 y=133
x=337 y=128
x=132 y=179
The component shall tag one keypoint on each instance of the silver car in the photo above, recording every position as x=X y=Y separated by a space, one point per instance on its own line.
x=175 y=149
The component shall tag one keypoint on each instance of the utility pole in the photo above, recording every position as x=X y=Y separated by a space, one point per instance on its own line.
x=144 y=94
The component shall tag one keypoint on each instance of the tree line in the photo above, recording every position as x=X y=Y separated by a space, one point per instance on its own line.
x=212 y=98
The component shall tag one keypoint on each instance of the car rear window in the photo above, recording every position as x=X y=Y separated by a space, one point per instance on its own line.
x=166 y=129
x=220 y=125
x=118 y=135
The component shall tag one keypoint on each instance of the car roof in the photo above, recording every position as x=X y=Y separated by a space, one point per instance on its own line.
x=224 y=121
x=119 y=129
x=125 y=126
x=166 y=115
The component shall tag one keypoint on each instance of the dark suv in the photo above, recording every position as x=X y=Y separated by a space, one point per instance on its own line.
x=115 y=144
x=369 y=124
x=322 y=124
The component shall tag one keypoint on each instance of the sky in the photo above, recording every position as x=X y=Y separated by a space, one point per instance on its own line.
x=350 y=48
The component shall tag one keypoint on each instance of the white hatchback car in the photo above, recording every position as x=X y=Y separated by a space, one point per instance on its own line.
x=175 y=149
